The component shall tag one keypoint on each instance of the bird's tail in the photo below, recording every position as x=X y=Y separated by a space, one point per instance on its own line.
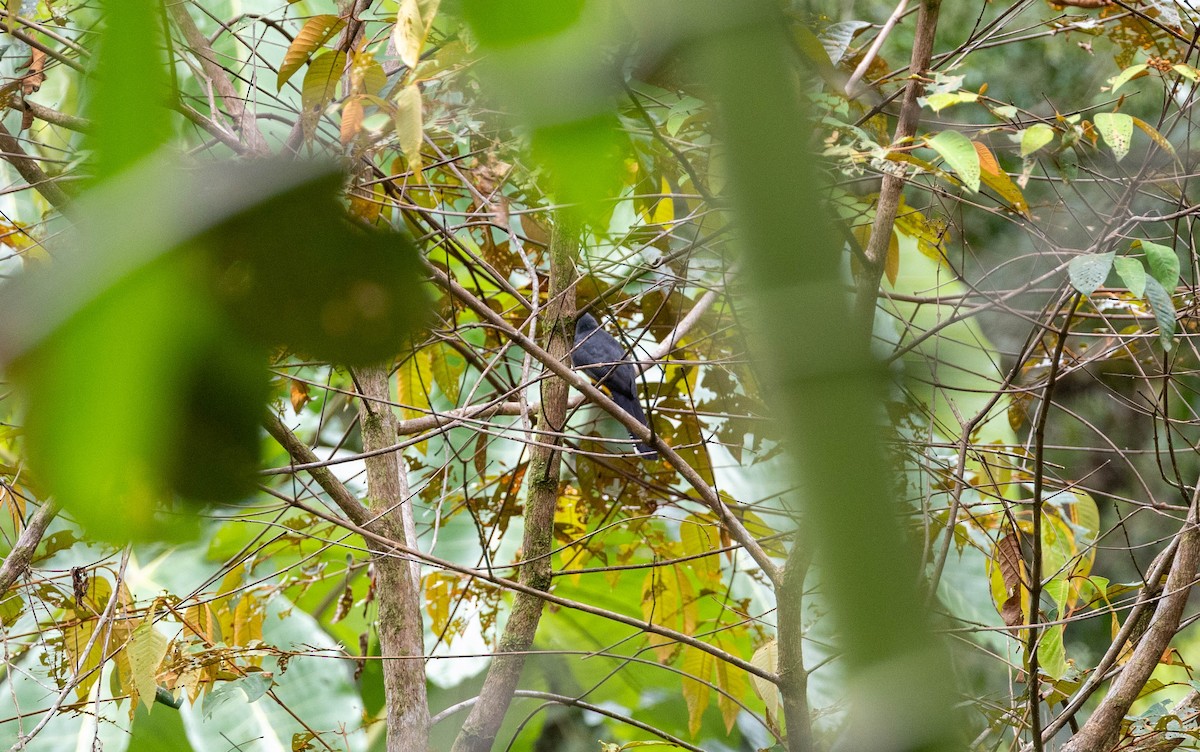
x=632 y=406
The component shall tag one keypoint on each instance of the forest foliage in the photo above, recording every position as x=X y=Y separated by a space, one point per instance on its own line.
x=287 y=451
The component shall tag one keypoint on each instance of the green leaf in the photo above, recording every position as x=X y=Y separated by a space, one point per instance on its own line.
x=1164 y=311
x=960 y=154
x=1187 y=72
x=941 y=100
x=1132 y=273
x=1035 y=137
x=321 y=80
x=1087 y=272
x=1117 y=130
x=1052 y=655
x=129 y=90
x=511 y=23
x=1127 y=75
x=1163 y=261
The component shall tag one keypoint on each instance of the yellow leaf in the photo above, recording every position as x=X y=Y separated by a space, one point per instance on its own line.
x=660 y=604
x=315 y=32
x=413 y=20
x=1156 y=137
x=767 y=659
x=891 y=263
x=147 y=646
x=696 y=691
x=732 y=680
x=663 y=211
x=410 y=125
x=700 y=537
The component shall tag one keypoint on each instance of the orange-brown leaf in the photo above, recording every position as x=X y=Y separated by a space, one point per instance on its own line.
x=352 y=119
x=316 y=31
x=987 y=160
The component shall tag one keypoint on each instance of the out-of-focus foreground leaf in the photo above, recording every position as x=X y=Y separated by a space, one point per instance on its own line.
x=142 y=348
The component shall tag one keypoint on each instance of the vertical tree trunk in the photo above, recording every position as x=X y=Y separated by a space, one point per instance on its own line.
x=401 y=635
x=481 y=726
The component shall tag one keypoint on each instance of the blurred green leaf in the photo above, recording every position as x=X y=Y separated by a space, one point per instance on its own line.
x=511 y=23
x=129 y=87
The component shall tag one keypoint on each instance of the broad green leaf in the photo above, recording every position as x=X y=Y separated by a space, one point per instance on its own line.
x=1127 y=75
x=321 y=80
x=1187 y=71
x=315 y=32
x=128 y=93
x=1087 y=272
x=960 y=154
x=511 y=23
x=942 y=100
x=1164 y=311
x=1052 y=656
x=1163 y=262
x=1035 y=137
x=1132 y=273
x=1117 y=130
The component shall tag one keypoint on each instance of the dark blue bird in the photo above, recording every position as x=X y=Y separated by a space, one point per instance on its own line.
x=601 y=357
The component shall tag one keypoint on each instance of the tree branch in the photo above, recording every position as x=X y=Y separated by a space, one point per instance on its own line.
x=17 y=561
x=29 y=170
x=1103 y=727
x=401 y=635
x=889 y=193
x=480 y=729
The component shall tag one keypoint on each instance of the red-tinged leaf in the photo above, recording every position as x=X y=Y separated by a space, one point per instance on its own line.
x=315 y=32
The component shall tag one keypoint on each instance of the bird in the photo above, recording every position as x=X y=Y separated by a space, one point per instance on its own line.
x=603 y=359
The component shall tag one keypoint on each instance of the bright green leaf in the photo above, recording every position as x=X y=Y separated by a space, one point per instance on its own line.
x=1132 y=273
x=1035 y=137
x=960 y=154
x=1127 y=75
